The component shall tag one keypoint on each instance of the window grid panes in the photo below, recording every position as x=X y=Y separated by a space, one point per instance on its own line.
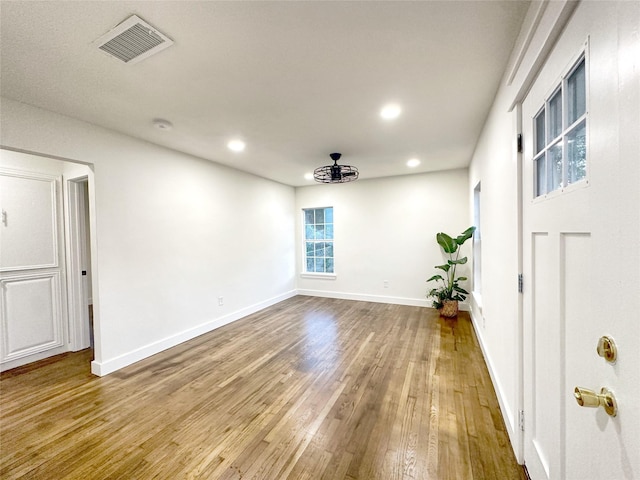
x=318 y=239
x=560 y=133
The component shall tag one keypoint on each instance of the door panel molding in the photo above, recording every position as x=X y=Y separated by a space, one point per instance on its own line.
x=48 y=227
x=31 y=318
x=33 y=309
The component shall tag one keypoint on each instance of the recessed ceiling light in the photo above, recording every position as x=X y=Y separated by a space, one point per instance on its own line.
x=308 y=176
x=236 y=145
x=390 y=111
x=414 y=162
x=161 y=124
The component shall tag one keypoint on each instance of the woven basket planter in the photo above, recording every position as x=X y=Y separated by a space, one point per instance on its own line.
x=449 y=309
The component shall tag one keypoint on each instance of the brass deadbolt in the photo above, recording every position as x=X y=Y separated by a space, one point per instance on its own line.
x=607 y=349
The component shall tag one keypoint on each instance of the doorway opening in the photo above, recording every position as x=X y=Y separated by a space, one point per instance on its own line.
x=79 y=265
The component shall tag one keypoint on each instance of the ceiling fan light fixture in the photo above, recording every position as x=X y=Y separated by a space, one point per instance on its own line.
x=335 y=173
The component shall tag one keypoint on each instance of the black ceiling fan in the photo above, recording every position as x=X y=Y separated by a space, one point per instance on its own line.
x=335 y=173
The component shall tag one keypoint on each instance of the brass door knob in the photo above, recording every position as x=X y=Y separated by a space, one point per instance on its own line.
x=589 y=398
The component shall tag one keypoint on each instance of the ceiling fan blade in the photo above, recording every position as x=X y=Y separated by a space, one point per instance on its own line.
x=348 y=174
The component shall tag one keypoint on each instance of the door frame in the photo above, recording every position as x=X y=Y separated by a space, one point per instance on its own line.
x=76 y=234
x=551 y=19
x=71 y=180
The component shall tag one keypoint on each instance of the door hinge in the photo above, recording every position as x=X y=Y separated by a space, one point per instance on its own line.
x=519 y=143
x=520 y=283
x=521 y=419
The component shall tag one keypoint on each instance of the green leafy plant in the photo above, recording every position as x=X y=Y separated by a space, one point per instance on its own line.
x=448 y=285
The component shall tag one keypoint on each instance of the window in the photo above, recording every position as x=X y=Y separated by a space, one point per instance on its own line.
x=477 y=243
x=318 y=240
x=560 y=134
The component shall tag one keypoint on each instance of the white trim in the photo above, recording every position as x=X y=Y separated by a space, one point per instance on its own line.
x=562 y=11
x=508 y=416
x=364 y=297
x=75 y=233
x=114 y=364
x=54 y=181
x=303 y=245
x=477 y=299
x=111 y=365
x=526 y=43
x=19 y=362
x=318 y=276
x=518 y=438
x=54 y=280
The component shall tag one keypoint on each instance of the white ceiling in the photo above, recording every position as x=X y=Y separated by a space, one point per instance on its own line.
x=295 y=80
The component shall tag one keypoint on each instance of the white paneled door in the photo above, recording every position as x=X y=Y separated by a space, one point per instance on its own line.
x=581 y=256
x=32 y=285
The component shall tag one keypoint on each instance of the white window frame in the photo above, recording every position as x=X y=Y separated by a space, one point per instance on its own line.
x=566 y=130
x=477 y=245
x=305 y=273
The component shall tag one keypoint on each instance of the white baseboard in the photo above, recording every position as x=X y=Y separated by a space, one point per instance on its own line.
x=113 y=364
x=507 y=413
x=362 y=297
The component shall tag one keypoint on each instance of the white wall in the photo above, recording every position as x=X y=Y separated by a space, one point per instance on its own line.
x=173 y=233
x=495 y=163
x=495 y=315
x=385 y=230
x=613 y=121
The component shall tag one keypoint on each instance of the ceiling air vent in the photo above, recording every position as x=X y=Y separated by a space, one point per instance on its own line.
x=133 y=40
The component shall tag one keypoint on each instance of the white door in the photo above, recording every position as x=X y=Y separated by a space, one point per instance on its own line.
x=581 y=217
x=32 y=311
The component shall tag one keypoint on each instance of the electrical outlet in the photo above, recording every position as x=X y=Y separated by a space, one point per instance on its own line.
x=386 y=284
x=220 y=301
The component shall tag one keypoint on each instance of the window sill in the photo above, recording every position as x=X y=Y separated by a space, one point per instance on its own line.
x=319 y=276
x=477 y=298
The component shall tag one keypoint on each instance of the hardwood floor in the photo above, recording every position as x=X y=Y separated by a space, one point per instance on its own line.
x=310 y=388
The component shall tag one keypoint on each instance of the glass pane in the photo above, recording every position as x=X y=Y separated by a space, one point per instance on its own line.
x=308 y=217
x=328 y=232
x=310 y=265
x=328 y=265
x=319 y=249
x=328 y=251
x=319 y=264
x=320 y=215
x=328 y=215
x=309 y=232
x=576 y=97
x=310 y=249
x=554 y=167
x=540 y=179
x=577 y=154
x=539 y=126
x=319 y=232
x=555 y=115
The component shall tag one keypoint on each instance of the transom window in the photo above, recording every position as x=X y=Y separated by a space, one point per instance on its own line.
x=318 y=240
x=560 y=130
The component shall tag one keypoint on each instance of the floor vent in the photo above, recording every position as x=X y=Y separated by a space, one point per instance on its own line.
x=133 y=40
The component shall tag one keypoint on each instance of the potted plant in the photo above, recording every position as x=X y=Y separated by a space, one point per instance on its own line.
x=448 y=291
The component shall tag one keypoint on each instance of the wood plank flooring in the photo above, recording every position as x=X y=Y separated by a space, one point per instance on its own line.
x=310 y=388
